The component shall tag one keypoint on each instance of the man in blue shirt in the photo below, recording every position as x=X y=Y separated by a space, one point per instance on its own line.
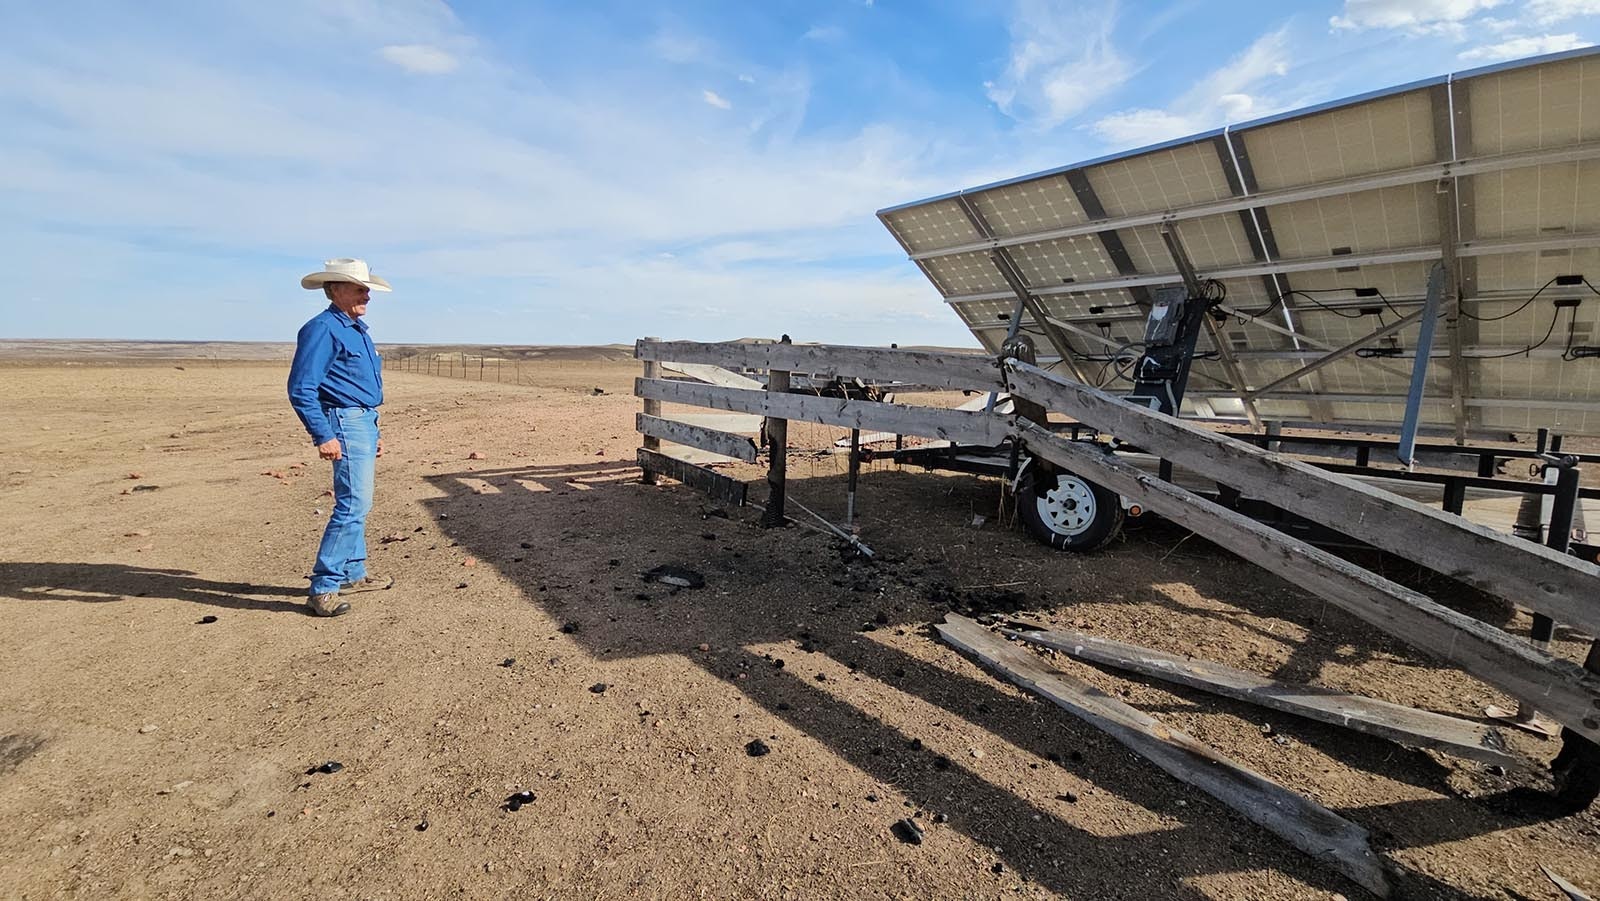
x=336 y=386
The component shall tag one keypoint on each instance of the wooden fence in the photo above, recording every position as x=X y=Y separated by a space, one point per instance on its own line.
x=1545 y=581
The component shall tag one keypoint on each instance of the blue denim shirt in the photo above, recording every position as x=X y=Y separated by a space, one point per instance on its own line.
x=335 y=365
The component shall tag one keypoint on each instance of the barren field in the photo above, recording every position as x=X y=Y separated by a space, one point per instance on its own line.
x=165 y=699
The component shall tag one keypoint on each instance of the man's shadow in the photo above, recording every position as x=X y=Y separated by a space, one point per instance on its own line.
x=98 y=583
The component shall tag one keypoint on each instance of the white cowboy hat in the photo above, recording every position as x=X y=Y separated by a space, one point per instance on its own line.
x=345 y=269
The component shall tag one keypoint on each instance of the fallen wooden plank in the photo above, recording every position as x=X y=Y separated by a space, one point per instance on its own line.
x=713 y=375
x=735 y=447
x=878 y=364
x=1404 y=725
x=715 y=484
x=1560 y=688
x=929 y=422
x=1557 y=585
x=1303 y=823
x=1572 y=892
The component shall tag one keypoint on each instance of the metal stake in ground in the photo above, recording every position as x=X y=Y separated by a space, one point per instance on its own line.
x=777 y=432
x=855 y=472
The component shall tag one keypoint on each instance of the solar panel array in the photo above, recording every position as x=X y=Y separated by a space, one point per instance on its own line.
x=1495 y=172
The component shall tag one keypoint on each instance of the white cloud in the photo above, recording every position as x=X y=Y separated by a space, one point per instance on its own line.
x=1516 y=48
x=1062 y=62
x=716 y=100
x=220 y=155
x=1229 y=94
x=823 y=33
x=1549 y=12
x=1446 y=17
x=420 y=59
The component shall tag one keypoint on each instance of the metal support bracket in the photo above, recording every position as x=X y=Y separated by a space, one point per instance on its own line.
x=1419 y=366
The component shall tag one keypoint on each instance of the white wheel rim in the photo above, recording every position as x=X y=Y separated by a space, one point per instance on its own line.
x=1069 y=508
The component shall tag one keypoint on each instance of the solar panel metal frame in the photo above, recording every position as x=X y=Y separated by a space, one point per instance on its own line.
x=1493 y=172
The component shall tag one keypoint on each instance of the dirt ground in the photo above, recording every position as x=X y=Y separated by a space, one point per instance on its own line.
x=146 y=752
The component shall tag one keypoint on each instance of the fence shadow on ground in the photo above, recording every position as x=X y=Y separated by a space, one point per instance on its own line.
x=99 y=583
x=764 y=582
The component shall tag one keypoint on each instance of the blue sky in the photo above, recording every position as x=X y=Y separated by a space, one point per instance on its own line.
x=532 y=172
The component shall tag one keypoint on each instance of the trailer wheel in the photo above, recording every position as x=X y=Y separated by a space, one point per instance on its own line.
x=1576 y=771
x=1068 y=512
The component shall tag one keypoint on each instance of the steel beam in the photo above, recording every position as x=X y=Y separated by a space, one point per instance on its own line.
x=1447 y=207
x=1579 y=406
x=1438 y=278
x=1428 y=254
x=1339 y=354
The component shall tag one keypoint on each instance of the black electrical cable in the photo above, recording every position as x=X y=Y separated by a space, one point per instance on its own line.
x=1518 y=309
x=1308 y=294
x=1532 y=347
x=1572 y=325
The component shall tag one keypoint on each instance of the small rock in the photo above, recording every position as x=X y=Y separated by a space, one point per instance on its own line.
x=180 y=851
x=508 y=662
x=907 y=831
x=476 y=455
x=461 y=585
x=470 y=561
x=998 y=868
x=1266 y=728
x=206 y=620
x=525 y=545
x=757 y=748
x=599 y=688
x=976 y=753
x=136 y=533
x=327 y=769
x=941 y=818
x=135 y=475
x=569 y=628
x=702 y=646
x=517 y=800
x=148 y=728
x=422 y=826
x=1068 y=797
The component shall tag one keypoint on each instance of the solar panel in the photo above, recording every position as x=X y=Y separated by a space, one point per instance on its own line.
x=1322 y=225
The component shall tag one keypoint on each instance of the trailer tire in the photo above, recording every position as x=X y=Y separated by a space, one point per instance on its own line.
x=1068 y=512
x=1576 y=772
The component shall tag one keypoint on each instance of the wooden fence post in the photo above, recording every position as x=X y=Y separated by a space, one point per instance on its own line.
x=652 y=370
x=777 y=432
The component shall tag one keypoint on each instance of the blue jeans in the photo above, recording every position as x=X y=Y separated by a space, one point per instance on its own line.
x=342 y=557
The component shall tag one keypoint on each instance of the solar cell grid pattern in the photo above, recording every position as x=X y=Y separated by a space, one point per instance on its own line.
x=1497 y=169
